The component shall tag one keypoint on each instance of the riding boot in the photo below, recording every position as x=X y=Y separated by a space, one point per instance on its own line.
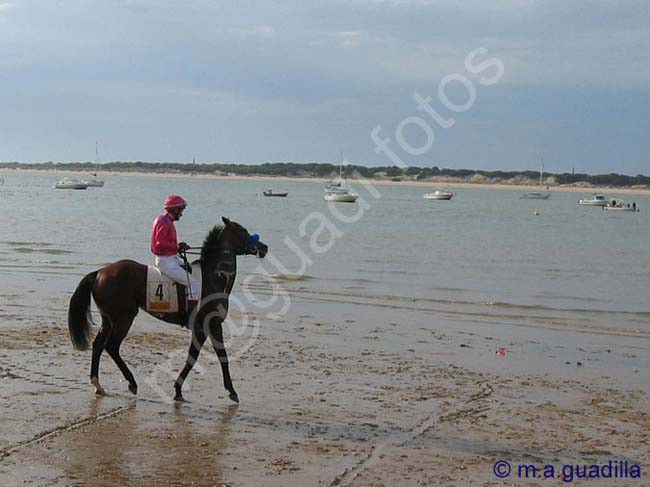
x=191 y=305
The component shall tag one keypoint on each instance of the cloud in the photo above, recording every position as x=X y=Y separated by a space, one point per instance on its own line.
x=260 y=31
x=316 y=66
x=350 y=39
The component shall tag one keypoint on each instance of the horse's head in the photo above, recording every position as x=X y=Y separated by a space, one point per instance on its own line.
x=237 y=238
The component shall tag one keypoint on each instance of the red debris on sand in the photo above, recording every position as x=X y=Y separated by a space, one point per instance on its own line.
x=501 y=352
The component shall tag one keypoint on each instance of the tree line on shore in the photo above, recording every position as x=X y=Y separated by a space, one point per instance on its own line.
x=325 y=170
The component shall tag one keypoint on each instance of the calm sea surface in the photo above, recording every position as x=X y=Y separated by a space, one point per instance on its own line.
x=483 y=255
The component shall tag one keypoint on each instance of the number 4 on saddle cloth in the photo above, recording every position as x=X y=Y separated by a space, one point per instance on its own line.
x=165 y=295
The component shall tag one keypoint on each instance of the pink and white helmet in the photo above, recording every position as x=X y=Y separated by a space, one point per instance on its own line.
x=174 y=201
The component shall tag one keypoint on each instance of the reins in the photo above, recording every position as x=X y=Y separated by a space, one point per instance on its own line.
x=192 y=250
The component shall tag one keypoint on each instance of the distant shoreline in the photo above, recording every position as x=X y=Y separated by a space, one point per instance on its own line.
x=428 y=183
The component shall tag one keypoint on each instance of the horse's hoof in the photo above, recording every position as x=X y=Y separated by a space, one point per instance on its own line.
x=99 y=390
x=179 y=398
x=234 y=397
x=133 y=388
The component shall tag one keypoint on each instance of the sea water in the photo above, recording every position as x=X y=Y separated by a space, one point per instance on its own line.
x=486 y=255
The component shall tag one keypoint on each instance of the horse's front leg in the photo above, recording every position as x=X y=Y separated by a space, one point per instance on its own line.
x=198 y=339
x=216 y=337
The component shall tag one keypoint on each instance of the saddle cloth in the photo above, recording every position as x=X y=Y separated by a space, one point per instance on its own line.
x=165 y=295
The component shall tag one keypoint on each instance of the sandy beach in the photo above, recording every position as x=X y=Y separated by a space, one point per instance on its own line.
x=357 y=183
x=328 y=397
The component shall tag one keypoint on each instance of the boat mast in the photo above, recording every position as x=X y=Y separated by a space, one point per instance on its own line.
x=96 y=157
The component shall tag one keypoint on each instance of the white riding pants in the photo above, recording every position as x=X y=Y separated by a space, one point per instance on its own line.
x=170 y=266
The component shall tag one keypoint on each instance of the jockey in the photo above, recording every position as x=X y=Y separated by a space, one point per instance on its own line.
x=165 y=248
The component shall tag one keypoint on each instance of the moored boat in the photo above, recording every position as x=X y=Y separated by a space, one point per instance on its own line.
x=337 y=192
x=94 y=182
x=340 y=195
x=438 y=194
x=269 y=192
x=68 y=183
x=620 y=205
x=620 y=208
x=538 y=195
x=597 y=200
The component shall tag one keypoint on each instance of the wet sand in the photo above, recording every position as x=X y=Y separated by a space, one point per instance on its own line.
x=331 y=394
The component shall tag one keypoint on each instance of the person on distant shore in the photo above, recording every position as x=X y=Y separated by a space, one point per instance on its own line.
x=165 y=248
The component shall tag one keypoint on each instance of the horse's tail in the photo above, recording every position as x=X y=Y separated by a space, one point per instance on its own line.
x=79 y=318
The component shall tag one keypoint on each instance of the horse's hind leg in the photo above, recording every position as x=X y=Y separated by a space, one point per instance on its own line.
x=98 y=346
x=113 y=349
x=198 y=339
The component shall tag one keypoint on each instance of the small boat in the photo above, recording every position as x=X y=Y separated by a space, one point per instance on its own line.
x=270 y=192
x=337 y=192
x=620 y=205
x=538 y=195
x=67 y=183
x=597 y=200
x=94 y=182
x=438 y=194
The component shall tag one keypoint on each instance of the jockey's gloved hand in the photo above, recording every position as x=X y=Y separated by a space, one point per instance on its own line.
x=182 y=247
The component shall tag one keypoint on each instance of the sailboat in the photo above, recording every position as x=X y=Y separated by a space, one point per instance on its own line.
x=68 y=183
x=538 y=195
x=337 y=191
x=94 y=182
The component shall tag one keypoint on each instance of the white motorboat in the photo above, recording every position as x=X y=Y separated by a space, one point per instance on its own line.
x=67 y=183
x=597 y=200
x=620 y=205
x=538 y=195
x=337 y=191
x=438 y=194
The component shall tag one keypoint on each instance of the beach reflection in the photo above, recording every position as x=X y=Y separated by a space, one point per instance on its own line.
x=150 y=444
x=98 y=457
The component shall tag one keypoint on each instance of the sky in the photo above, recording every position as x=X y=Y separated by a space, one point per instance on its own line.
x=563 y=82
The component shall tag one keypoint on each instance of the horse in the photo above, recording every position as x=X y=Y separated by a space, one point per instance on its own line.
x=119 y=291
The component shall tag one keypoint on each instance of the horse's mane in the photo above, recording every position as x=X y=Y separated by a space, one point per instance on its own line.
x=211 y=240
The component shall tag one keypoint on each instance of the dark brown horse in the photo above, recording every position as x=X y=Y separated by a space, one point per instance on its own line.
x=119 y=292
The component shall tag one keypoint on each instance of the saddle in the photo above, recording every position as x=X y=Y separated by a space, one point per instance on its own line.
x=165 y=295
